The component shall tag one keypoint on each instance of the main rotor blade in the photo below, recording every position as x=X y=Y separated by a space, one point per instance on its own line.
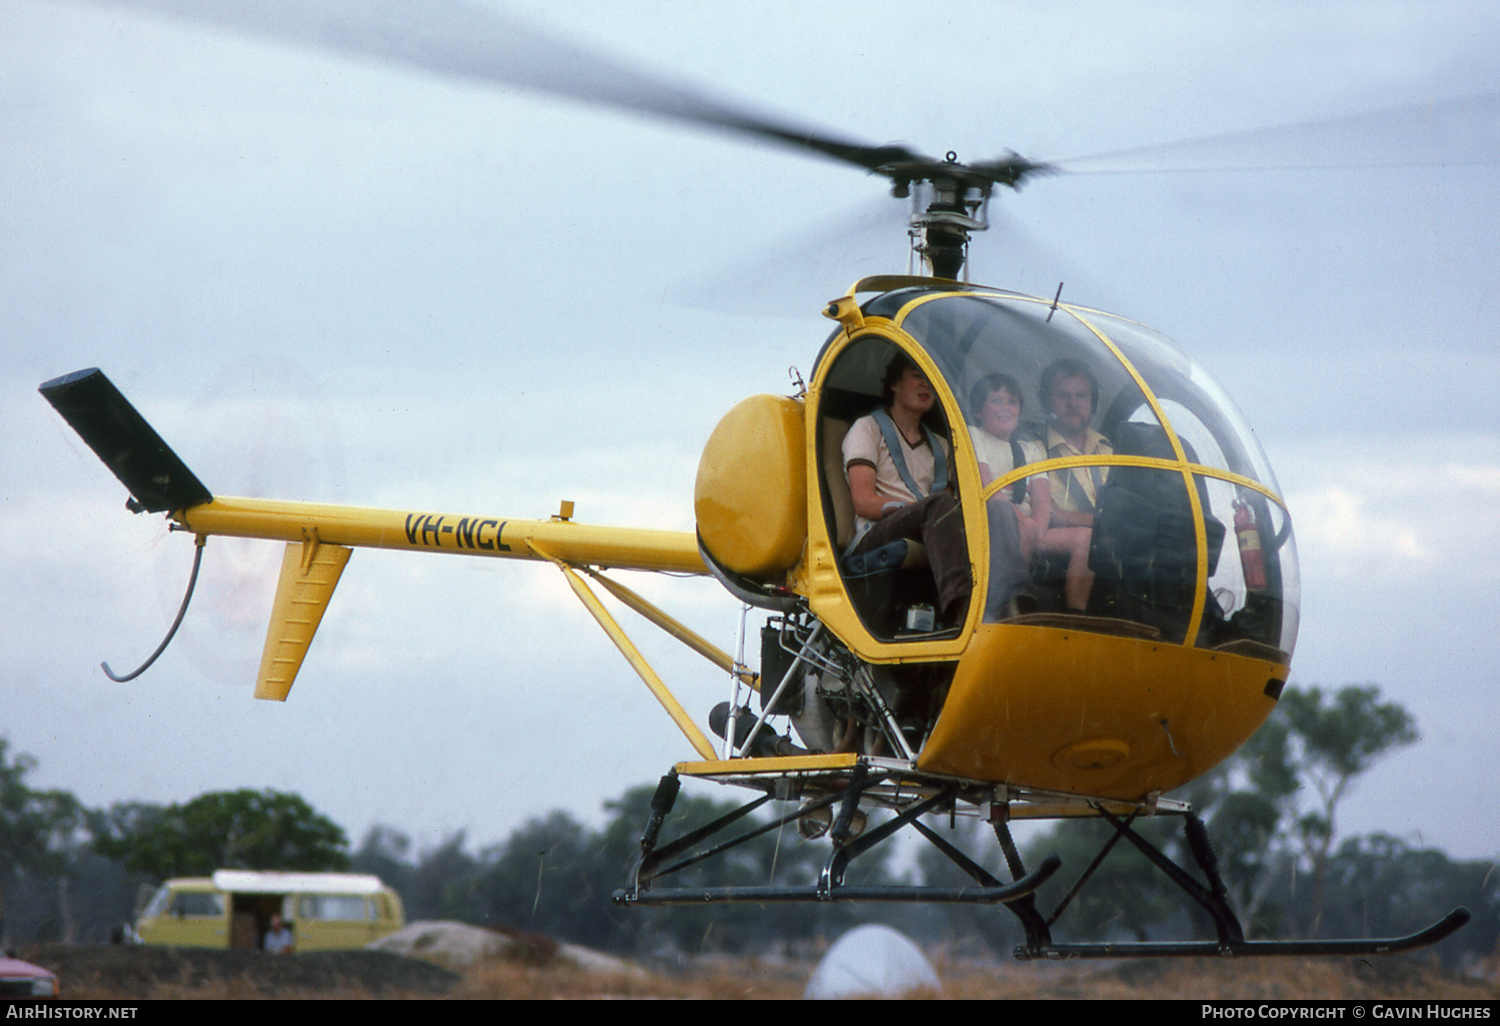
x=1457 y=132
x=789 y=278
x=457 y=39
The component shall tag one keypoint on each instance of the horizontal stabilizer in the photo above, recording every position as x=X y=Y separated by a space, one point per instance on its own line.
x=309 y=573
x=130 y=447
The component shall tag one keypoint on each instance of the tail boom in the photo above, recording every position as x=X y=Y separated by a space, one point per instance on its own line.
x=319 y=538
x=561 y=540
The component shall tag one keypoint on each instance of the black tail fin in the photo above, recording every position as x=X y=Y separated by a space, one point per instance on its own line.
x=158 y=481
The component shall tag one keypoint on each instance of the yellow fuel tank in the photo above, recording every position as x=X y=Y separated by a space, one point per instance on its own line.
x=750 y=499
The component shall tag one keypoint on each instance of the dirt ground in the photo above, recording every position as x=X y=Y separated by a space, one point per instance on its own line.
x=130 y=972
x=137 y=973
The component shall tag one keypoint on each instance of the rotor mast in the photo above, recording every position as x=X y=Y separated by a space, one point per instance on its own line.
x=949 y=201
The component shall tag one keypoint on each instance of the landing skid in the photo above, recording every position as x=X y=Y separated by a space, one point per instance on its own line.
x=1213 y=899
x=832 y=794
x=1199 y=949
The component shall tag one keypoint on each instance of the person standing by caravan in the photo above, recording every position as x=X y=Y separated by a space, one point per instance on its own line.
x=278 y=939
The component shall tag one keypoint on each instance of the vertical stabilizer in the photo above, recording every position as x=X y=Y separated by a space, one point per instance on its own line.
x=309 y=573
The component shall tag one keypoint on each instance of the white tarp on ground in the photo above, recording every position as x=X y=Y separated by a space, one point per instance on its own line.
x=871 y=961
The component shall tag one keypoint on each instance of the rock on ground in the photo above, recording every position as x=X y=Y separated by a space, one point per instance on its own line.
x=459 y=945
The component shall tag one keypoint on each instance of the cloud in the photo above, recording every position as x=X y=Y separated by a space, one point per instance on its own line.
x=1422 y=508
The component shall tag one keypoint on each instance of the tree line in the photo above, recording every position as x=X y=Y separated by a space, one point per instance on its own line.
x=76 y=875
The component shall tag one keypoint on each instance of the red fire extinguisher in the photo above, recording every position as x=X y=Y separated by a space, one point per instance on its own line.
x=1248 y=537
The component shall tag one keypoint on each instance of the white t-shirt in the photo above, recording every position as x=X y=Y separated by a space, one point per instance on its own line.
x=996 y=454
x=866 y=444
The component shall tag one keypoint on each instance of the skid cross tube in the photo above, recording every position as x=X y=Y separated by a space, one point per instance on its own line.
x=1213 y=899
x=1109 y=846
x=653 y=863
x=832 y=876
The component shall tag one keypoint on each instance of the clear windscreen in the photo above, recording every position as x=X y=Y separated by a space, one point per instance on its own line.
x=1165 y=518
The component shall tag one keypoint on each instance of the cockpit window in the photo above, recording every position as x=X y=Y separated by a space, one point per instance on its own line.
x=1164 y=519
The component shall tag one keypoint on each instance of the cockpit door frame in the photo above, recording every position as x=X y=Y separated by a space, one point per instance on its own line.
x=820 y=576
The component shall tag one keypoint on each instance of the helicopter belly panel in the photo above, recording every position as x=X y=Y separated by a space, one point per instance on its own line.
x=1087 y=713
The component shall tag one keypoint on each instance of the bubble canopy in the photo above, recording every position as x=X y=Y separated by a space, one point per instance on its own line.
x=1189 y=538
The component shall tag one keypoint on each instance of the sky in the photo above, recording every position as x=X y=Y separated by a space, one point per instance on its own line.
x=339 y=279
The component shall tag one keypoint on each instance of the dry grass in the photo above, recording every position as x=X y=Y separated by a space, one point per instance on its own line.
x=1205 y=979
x=507 y=980
x=1194 y=979
x=733 y=979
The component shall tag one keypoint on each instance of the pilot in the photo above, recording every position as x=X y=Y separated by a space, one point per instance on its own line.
x=898 y=480
x=1070 y=395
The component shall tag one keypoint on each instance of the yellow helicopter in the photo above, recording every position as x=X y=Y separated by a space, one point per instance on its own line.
x=870 y=693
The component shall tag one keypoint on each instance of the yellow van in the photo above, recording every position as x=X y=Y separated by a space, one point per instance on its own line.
x=233 y=909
